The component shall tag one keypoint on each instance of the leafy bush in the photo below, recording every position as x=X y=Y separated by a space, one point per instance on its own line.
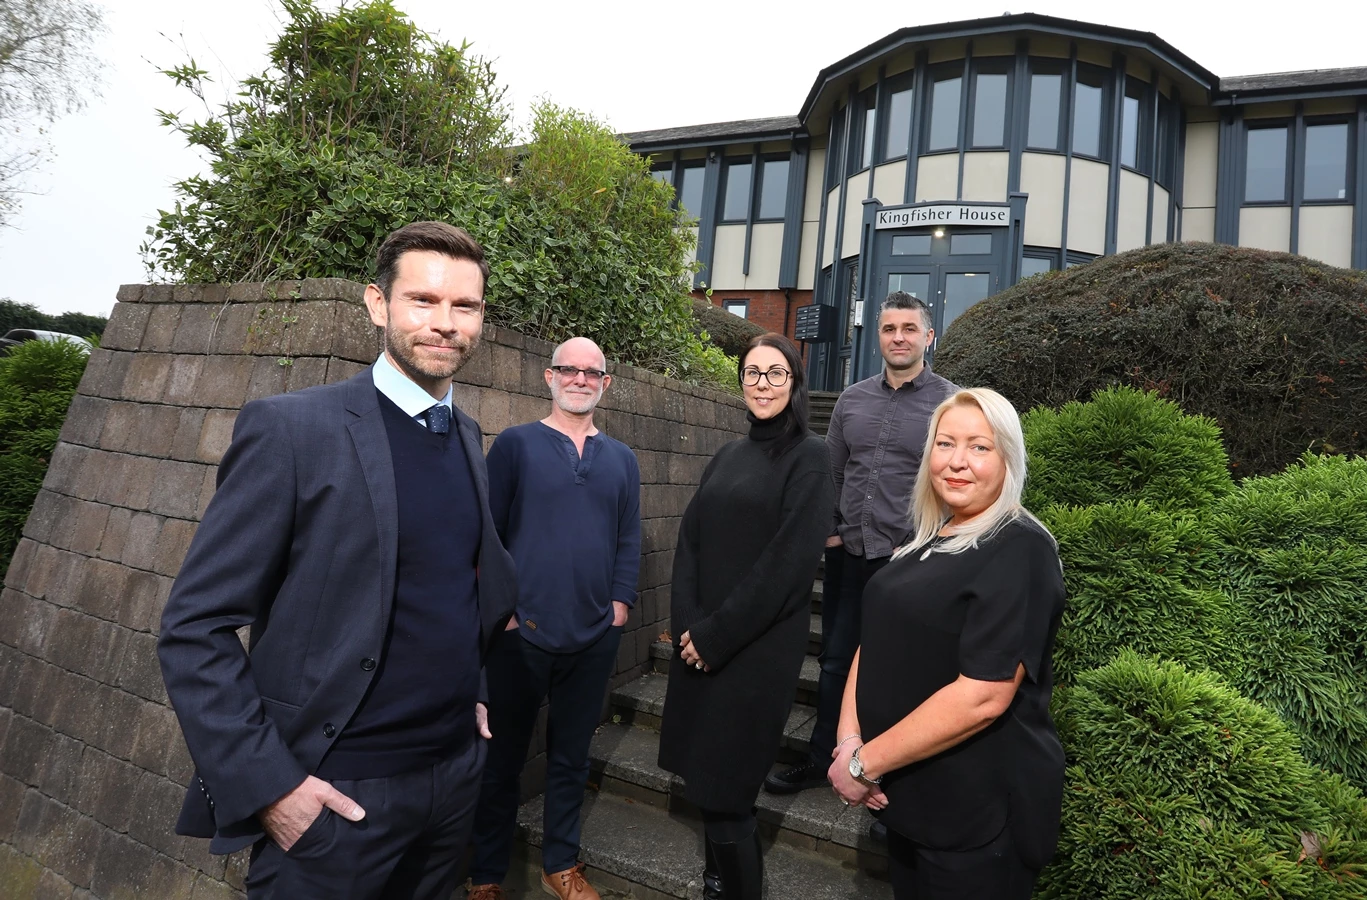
x=1271 y=346
x=1177 y=787
x=1293 y=558
x=364 y=123
x=1124 y=445
x=26 y=315
x=37 y=382
x=726 y=330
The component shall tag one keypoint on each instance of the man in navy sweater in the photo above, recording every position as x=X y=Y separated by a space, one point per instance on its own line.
x=566 y=502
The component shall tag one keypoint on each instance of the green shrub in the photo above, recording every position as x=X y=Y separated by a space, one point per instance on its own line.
x=726 y=330
x=26 y=315
x=1124 y=444
x=37 y=382
x=1271 y=346
x=1177 y=787
x=1293 y=558
x=1136 y=579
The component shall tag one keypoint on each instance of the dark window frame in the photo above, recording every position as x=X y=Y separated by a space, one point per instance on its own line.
x=1106 y=116
x=1288 y=168
x=1041 y=253
x=835 y=150
x=992 y=65
x=1350 y=154
x=684 y=166
x=1143 y=126
x=1059 y=68
x=757 y=186
x=866 y=104
x=1168 y=140
x=744 y=303
x=725 y=186
x=903 y=82
x=943 y=72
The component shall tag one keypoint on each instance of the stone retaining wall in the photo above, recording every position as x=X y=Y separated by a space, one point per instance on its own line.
x=92 y=764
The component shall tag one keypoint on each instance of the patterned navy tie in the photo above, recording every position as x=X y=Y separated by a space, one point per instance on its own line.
x=439 y=419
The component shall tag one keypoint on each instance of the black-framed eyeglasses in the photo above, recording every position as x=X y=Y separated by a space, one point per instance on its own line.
x=569 y=373
x=777 y=376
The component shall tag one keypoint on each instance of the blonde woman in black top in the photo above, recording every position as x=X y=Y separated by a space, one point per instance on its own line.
x=945 y=729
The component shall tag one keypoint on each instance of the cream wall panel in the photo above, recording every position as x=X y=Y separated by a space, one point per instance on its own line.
x=816 y=173
x=1201 y=114
x=1265 y=227
x=1095 y=54
x=1049 y=45
x=890 y=182
x=1198 y=224
x=994 y=45
x=1087 y=206
x=856 y=192
x=1132 y=213
x=985 y=176
x=727 y=255
x=1136 y=67
x=828 y=245
x=766 y=250
x=693 y=153
x=947 y=51
x=738 y=150
x=1328 y=106
x=776 y=147
x=1158 y=233
x=806 y=259
x=901 y=62
x=1327 y=234
x=1270 y=110
x=1042 y=179
x=1203 y=155
x=937 y=177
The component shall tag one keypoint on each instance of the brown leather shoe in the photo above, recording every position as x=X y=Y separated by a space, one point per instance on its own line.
x=486 y=892
x=569 y=885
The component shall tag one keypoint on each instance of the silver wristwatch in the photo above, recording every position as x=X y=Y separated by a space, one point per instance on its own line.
x=857 y=770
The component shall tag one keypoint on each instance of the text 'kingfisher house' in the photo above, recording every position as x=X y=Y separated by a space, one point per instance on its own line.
x=951 y=161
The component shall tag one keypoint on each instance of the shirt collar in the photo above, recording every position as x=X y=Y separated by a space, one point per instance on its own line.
x=398 y=387
x=916 y=383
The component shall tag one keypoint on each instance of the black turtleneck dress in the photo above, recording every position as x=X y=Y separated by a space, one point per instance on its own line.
x=748 y=549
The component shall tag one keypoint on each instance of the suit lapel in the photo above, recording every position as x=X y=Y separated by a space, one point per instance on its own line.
x=371 y=441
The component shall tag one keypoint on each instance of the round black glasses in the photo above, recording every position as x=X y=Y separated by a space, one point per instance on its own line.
x=776 y=376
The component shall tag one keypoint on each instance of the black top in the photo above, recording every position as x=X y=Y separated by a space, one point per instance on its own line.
x=747 y=553
x=419 y=707
x=573 y=526
x=978 y=613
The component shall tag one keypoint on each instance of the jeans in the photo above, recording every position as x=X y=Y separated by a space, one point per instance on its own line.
x=841 y=602
x=520 y=676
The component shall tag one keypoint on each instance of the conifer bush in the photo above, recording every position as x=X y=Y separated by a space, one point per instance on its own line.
x=1178 y=787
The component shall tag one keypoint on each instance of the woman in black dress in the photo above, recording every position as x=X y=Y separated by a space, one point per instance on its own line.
x=945 y=729
x=748 y=549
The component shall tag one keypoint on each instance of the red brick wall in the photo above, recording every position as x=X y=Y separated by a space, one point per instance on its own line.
x=771 y=310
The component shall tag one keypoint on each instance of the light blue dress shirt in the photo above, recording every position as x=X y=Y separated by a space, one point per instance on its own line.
x=405 y=394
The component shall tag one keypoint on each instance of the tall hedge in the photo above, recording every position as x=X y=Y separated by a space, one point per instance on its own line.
x=1179 y=788
x=1273 y=347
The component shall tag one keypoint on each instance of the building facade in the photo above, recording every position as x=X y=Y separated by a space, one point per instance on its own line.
x=951 y=161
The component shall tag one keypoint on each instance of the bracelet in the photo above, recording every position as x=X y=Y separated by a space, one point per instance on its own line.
x=850 y=738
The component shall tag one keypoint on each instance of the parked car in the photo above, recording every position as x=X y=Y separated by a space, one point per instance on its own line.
x=16 y=336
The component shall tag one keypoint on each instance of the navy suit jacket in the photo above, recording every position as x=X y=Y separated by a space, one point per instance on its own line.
x=300 y=544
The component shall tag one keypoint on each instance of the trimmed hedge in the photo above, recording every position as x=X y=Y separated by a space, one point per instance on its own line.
x=1273 y=347
x=1179 y=788
x=726 y=330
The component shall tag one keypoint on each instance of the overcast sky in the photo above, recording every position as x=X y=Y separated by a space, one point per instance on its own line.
x=635 y=65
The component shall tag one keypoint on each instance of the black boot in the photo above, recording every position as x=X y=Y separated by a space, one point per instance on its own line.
x=711 y=875
x=741 y=865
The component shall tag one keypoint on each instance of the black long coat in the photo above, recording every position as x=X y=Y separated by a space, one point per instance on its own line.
x=747 y=552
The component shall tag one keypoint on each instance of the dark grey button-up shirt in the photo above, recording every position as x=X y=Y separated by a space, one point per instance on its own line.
x=876 y=439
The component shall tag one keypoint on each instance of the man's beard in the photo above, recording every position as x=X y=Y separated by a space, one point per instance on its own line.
x=400 y=347
x=576 y=403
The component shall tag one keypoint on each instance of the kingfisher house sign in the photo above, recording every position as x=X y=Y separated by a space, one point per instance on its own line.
x=943 y=214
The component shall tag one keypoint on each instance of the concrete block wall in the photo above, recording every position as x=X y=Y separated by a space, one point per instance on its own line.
x=92 y=764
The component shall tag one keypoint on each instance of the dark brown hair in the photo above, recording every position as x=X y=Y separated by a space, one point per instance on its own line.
x=794 y=415
x=439 y=237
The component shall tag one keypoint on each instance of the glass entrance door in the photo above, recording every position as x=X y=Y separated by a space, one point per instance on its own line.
x=949 y=290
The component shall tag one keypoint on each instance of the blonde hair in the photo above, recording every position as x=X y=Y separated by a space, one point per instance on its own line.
x=928 y=514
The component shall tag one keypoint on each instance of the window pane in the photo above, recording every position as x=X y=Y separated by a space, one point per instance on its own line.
x=944 y=115
x=899 y=125
x=773 y=188
x=917 y=284
x=1166 y=154
x=1129 y=132
x=665 y=175
x=690 y=191
x=969 y=244
x=911 y=245
x=1326 y=162
x=1035 y=265
x=989 y=111
x=1266 y=179
x=1087 y=114
x=962 y=290
x=737 y=307
x=833 y=156
x=870 y=129
x=737 y=203
x=1044 y=100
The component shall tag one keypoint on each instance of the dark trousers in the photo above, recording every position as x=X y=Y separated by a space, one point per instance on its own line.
x=992 y=872
x=408 y=846
x=520 y=676
x=842 y=598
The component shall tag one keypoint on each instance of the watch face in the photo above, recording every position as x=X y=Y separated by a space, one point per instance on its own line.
x=856 y=767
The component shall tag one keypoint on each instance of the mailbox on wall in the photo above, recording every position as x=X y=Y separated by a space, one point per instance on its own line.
x=815 y=324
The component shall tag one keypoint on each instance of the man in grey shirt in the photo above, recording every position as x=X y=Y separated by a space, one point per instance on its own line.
x=876 y=438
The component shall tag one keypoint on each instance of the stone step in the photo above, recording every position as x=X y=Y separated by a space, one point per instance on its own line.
x=661 y=652
x=658 y=854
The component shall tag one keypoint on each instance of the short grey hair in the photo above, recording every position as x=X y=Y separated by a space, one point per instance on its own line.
x=903 y=300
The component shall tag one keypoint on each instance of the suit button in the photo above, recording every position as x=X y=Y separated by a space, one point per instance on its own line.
x=367 y=664
x=329 y=730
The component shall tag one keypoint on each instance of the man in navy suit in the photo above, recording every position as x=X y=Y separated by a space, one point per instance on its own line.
x=351 y=532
